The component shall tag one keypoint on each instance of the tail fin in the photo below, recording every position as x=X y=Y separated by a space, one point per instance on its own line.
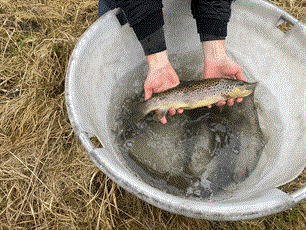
x=137 y=111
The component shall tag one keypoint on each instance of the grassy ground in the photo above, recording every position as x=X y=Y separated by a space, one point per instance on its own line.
x=46 y=178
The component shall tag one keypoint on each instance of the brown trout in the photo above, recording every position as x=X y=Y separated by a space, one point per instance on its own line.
x=195 y=94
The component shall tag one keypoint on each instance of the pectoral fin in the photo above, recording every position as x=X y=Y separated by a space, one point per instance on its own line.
x=226 y=97
x=161 y=113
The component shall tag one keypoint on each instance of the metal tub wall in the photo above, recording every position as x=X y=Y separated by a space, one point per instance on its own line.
x=108 y=50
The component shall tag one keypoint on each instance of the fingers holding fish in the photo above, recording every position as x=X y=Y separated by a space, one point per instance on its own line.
x=239 y=99
x=180 y=110
x=239 y=76
x=162 y=114
x=153 y=85
x=195 y=94
x=219 y=65
x=230 y=102
x=148 y=91
x=161 y=75
x=172 y=111
x=160 y=79
x=163 y=120
x=221 y=103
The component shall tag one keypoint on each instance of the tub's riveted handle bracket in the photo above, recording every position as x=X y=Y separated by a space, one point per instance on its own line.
x=106 y=5
x=88 y=145
x=299 y=195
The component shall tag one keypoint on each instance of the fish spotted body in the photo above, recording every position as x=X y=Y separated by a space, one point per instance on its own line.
x=195 y=94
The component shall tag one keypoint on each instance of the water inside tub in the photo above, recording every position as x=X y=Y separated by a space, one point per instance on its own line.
x=201 y=153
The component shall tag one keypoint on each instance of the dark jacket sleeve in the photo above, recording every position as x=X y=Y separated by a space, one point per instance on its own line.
x=211 y=17
x=146 y=19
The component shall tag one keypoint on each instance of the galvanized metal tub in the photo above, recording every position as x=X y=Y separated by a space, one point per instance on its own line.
x=108 y=50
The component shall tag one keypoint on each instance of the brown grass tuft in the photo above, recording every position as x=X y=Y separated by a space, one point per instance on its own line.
x=46 y=179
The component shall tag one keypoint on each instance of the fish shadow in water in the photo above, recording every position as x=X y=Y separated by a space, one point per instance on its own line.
x=219 y=147
x=235 y=147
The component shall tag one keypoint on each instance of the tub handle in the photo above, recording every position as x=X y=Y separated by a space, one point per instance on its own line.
x=84 y=137
x=106 y=5
x=280 y=201
x=285 y=18
x=88 y=145
x=299 y=195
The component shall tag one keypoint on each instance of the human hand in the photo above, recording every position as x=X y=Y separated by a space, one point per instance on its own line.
x=219 y=65
x=161 y=77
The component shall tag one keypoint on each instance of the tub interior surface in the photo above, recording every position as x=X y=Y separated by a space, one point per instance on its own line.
x=108 y=51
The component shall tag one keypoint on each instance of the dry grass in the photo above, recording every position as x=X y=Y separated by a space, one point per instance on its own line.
x=46 y=179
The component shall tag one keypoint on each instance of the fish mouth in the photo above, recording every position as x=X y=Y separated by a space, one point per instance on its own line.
x=248 y=89
x=252 y=86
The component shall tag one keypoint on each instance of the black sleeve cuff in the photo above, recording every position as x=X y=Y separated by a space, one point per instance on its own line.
x=211 y=26
x=154 y=43
x=210 y=37
x=149 y=24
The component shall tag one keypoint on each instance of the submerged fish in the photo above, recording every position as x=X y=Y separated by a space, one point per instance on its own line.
x=195 y=94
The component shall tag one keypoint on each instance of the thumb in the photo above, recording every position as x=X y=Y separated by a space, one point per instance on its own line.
x=239 y=75
x=148 y=92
